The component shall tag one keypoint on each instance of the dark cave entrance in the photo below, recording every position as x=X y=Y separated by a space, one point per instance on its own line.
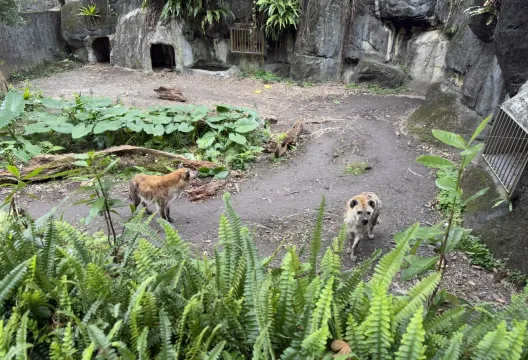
x=101 y=49
x=162 y=56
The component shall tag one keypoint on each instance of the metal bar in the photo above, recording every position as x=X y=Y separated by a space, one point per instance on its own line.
x=492 y=137
x=509 y=142
x=498 y=139
x=510 y=171
x=521 y=169
x=504 y=146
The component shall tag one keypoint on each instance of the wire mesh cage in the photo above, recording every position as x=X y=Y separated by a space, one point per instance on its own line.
x=506 y=149
x=247 y=39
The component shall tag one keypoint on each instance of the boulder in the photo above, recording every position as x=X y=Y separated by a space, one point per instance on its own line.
x=76 y=29
x=483 y=25
x=368 y=35
x=409 y=13
x=374 y=71
x=312 y=68
x=511 y=43
x=424 y=58
x=279 y=69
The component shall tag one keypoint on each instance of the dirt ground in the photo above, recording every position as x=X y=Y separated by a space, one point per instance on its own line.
x=278 y=201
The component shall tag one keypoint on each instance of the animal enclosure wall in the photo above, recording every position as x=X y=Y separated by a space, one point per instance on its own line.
x=101 y=49
x=162 y=56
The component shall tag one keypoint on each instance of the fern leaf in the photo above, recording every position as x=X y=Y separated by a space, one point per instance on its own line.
x=141 y=348
x=315 y=245
x=48 y=252
x=67 y=231
x=322 y=312
x=453 y=349
x=166 y=351
x=11 y=281
x=21 y=335
x=391 y=263
x=450 y=319
x=352 y=279
x=135 y=299
x=516 y=338
x=215 y=352
x=173 y=241
x=417 y=295
x=196 y=345
x=493 y=344
x=377 y=325
x=98 y=337
x=284 y=316
x=124 y=351
x=183 y=323
x=88 y=352
x=412 y=344
x=354 y=336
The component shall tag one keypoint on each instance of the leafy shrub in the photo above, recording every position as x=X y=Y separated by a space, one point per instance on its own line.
x=224 y=133
x=280 y=15
x=64 y=296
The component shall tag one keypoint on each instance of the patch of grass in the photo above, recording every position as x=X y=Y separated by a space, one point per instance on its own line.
x=45 y=69
x=377 y=89
x=357 y=168
x=267 y=77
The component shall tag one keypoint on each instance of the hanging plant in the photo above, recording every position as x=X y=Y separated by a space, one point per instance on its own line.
x=281 y=15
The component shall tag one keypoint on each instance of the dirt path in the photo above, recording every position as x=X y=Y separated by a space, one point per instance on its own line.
x=279 y=201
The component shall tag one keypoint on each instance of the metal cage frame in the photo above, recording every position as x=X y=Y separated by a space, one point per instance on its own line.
x=246 y=39
x=506 y=149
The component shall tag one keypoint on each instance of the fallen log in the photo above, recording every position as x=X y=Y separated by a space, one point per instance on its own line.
x=204 y=191
x=56 y=165
x=169 y=93
x=291 y=138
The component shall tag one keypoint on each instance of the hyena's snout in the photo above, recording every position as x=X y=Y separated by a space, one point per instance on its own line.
x=364 y=221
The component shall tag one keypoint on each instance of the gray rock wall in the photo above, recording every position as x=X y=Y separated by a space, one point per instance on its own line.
x=28 y=45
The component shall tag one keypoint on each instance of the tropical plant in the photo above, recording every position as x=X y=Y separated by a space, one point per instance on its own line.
x=224 y=133
x=9 y=14
x=90 y=12
x=280 y=15
x=446 y=239
x=206 y=12
x=64 y=296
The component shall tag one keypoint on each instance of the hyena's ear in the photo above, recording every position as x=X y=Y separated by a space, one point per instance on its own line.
x=353 y=203
x=372 y=204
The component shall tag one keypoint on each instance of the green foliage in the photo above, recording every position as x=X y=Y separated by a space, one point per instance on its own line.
x=90 y=12
x=280 y=15
x=357 y=168
x=66 y=294
x=377 y=89
x=489 y=7
x=206 y=12
x=9 y=14
x=223 y=134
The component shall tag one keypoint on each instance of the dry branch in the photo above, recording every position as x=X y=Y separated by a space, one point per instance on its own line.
x=169 y=93
x=291 y=138
x=54 y=165
x=204 y=191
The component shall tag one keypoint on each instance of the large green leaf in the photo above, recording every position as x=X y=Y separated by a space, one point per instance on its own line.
x=103 y=126
x=62 y=128
x=480 y=128
x=158 y=130
x=245 y=125
x=434 y=161
x=418 y=265
x=215 y=119
x=36 y=128
x=450 y=138
x=446 y=183
x=206 y=140
x=455 y=235
x=81 y=130
x=95 y=209
x=185 y=128
x=12 y=106
x=239 y=139
x=136 y=126
x=55 y=103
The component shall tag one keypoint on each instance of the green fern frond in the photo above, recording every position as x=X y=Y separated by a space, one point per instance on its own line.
x=416 y=296
x=11 y=281
x=88 y=352
x=391 y=263
x=166 y=351
x=493 y=344
x=322 y=311
x=193 y=302
x=21 y=336
x=196 y=345
x=516 y=340
x=48 y=252
x=354 y=337
x=136 y=297
x=349 y=280
x=315 y=245
x=173 y=241
x=67 y=231
x=412 y=344
x=215 y=352
x=330 y=265
x=358 y=303
x=377 y=325
x=449 y=319
x=141 y=348
x=284 y=315
x=124 y=351
x=452 y=351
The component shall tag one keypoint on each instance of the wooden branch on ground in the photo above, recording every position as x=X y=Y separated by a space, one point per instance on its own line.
x=54 y=165
x=204 y=191
x=291 y=138
x=170 y=93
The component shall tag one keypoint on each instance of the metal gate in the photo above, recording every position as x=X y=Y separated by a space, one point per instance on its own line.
x=506 y=149
x=247 y=39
